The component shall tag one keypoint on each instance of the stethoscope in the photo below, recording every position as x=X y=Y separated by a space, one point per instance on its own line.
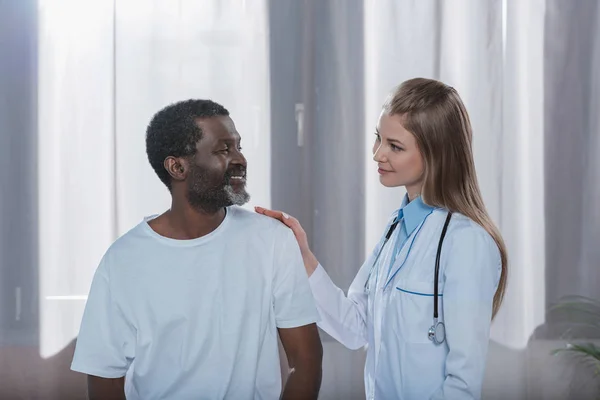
x=437 y=332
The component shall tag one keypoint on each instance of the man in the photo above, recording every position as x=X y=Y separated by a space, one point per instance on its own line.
x=188 y=304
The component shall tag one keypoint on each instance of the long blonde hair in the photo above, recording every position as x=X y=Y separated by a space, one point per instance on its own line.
x=434 y=113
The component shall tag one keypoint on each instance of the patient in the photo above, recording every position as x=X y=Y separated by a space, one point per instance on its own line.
x=189 y=304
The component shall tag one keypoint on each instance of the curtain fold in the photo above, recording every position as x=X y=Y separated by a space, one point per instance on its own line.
x=572 y=131
x=75 y=159
x=522 y=153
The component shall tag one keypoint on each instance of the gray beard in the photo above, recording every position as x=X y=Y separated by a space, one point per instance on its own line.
x=211 y=200
x=237 y=199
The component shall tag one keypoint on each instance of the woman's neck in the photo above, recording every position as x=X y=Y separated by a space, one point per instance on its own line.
x=413 y=193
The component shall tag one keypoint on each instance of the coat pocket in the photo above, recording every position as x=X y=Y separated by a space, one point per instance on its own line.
x=413 y=301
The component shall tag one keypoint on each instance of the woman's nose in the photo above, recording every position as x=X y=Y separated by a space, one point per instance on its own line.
x=378 y=155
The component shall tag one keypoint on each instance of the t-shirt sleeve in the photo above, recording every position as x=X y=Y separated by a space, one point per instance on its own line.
x=106 y=343
x=293 y=301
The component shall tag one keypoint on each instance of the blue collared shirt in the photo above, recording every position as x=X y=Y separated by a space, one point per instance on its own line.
x=409 y=217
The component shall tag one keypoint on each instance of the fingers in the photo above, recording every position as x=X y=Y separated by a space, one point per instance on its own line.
x=271 y=213
x=280 y=215
x=291 y=223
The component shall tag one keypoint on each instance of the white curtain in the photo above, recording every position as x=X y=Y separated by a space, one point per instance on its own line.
x=491 y=52
x=76 y=159
x=572 y=128
x=104 y=69
x=458 y=42
x=168 y=51
x=528 y=74
x=522 y=150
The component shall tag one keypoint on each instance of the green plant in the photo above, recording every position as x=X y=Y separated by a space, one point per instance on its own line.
x=582 y=316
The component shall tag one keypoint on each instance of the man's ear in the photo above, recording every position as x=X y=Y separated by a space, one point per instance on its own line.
x=177 y=167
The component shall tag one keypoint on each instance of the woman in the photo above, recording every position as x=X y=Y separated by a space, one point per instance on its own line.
x=420 y=348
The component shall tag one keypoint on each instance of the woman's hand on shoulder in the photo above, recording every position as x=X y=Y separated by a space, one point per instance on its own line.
x=310 y=261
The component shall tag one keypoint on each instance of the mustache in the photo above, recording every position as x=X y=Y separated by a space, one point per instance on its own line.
x=235 y=171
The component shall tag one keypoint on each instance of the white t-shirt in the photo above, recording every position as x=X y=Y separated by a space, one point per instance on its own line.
x=196 y=319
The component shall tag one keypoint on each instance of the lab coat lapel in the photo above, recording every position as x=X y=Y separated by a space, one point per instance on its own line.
x=404 y=252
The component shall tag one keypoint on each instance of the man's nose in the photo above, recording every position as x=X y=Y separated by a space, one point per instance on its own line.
x=238 y=158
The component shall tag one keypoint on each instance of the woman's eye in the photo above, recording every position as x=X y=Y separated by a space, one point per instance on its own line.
x=395 y=148
x=377 y=137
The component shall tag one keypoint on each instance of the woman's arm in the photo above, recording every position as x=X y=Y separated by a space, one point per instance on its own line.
x=471 y=273
x=344 y=318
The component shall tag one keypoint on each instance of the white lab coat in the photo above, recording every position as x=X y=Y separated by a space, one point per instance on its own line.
x=394 y=318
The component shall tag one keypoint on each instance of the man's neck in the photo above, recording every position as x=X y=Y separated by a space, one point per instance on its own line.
x=184 y=222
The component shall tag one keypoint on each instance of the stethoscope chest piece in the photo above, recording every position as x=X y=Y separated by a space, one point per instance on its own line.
x=437 y=332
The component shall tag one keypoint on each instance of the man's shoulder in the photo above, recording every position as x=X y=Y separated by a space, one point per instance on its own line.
x=131 y=242
x=254 y=222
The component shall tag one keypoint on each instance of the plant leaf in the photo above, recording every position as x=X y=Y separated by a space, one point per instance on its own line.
x=583 y=349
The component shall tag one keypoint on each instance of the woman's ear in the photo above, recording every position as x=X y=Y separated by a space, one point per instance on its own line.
x=176 y=167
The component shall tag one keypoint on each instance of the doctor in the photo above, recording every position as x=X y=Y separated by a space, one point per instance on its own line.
x=424 y=299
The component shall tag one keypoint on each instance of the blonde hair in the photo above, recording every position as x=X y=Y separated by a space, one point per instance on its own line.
x=434 y=113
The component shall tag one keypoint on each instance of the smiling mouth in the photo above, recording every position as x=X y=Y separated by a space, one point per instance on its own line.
x=238 y=177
